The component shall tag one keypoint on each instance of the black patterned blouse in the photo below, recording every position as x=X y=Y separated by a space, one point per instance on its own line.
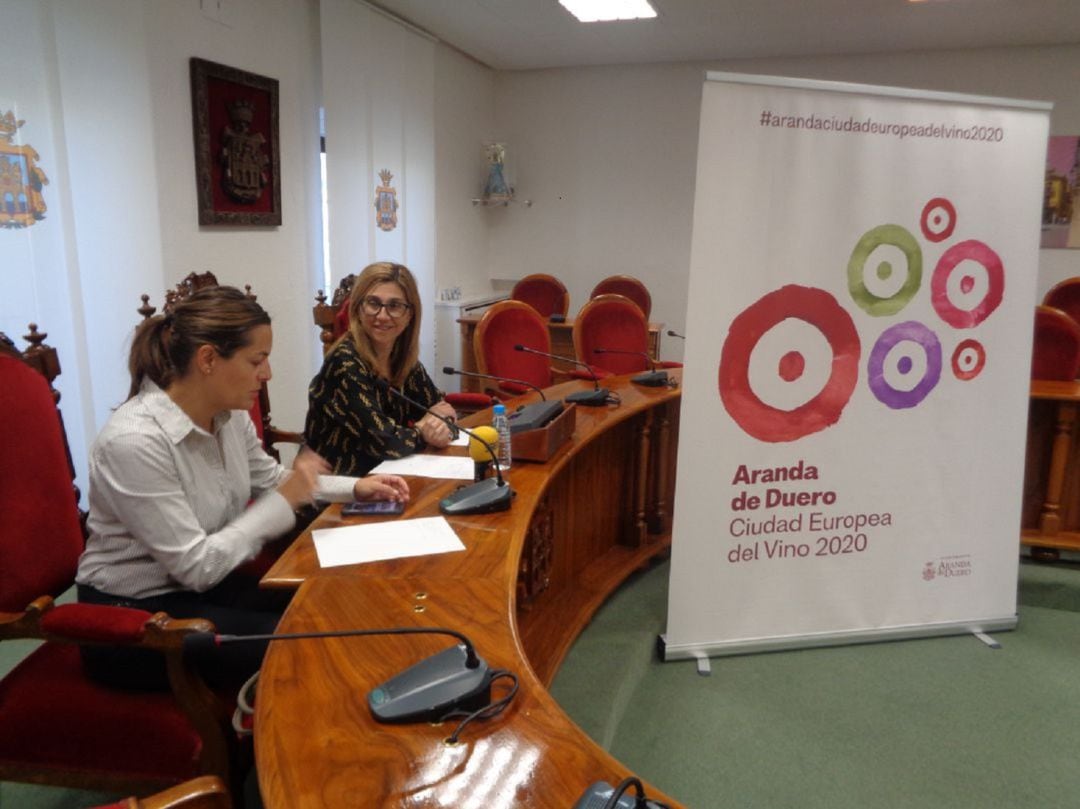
x=353 y=423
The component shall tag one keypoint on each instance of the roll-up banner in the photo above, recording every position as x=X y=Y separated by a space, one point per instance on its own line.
x=862 y=283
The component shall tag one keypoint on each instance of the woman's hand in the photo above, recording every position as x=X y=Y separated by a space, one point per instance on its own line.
x=445 y=409
x=434 y=431
x=381 y=487
x=299 y=487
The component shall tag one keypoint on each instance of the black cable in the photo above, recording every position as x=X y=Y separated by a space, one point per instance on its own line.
x=488 y=711
x=640 y=801
x=630 y=780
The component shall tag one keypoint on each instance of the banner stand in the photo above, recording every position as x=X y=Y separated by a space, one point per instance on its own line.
x=862 y=282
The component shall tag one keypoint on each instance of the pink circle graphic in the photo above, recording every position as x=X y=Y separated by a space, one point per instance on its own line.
x=935 y=212
x=968 y=360
x=939 y=296
x=765 y=422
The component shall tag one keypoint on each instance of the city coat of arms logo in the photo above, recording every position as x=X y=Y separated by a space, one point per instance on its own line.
x=386 y=203
x=21 y=179
x=243 y=155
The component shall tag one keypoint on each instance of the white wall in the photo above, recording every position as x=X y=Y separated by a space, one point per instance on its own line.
x=378 y=85
x=464 y=120
x=105 y=89
x=283 y=265
x=608 y=155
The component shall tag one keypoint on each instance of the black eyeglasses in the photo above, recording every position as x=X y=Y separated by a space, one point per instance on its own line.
x=395 y=308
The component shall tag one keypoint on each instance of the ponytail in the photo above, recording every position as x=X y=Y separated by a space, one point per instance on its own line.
x=149 y=354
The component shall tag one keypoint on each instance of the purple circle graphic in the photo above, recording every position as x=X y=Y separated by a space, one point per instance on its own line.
x=909 y=331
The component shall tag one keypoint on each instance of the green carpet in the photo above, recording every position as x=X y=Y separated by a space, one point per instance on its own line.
x=941 y=722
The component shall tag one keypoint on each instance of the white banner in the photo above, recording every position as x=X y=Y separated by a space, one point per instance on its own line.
x=851 y=456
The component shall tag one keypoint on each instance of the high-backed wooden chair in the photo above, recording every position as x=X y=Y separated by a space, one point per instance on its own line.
x=504 y=325
x=260 y=411
x=57 y=726
x=333 y=318
x=1065 y=296
x=628 y=287
x=1056 y=345
x=544 y=293
x=207 y=792
x=333 y=321
x=611 y=336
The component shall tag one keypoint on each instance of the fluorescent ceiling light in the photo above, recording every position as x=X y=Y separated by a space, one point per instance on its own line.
x=607 y=10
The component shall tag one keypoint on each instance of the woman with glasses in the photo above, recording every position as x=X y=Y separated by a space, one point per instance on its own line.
x=353 y=420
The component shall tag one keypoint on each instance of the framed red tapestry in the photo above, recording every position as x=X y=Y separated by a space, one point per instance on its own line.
x=237 y=158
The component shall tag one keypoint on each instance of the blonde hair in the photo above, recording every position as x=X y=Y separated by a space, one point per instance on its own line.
x=164 y=345
x=406 y=351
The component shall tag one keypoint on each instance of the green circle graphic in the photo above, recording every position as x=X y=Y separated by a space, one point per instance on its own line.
x=856 y=269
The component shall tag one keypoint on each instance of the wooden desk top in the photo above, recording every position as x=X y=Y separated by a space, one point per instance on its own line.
x=316 y=743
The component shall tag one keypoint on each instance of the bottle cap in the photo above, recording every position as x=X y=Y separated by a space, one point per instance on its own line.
x=499 y=410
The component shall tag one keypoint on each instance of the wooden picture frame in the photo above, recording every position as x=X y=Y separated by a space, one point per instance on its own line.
x=237 y=156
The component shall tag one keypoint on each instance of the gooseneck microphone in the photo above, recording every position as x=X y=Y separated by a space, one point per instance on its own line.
x=597 y=397
x=525 y=417
x=652 y=379
x=452 y=680
x=482 y=497
x=452 y=371
x=673 y=333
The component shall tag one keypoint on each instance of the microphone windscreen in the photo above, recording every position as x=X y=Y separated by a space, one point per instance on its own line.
x=448 y=370
x=477 y=451
x=198 y=644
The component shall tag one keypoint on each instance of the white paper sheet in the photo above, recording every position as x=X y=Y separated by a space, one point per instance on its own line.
x=455 y=467
x=461 y=441
x=356 y=544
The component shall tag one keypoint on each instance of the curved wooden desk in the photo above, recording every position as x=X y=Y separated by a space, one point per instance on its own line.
x=527 y=583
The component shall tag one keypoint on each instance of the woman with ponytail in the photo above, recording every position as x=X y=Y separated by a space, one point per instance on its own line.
x=182 y=492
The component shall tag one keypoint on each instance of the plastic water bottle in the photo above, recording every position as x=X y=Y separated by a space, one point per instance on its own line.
x=502 y=427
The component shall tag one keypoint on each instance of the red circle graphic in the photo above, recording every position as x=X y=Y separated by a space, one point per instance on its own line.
x=937 y=207
x=995 y=271
x=968 y=359
x=762 y=421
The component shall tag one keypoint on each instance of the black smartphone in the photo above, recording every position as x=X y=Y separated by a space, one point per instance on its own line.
x=360 y=507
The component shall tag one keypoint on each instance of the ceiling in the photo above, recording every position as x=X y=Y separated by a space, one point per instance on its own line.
x=530 y=34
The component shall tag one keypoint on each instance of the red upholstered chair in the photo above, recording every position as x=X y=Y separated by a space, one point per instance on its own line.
x=628 y=287
x=544 y=293
x=56 y=725
x=333 y=321
x=207 y=792
x=504 y=325
x=260 y=411
x=1056 y=347
x=612 y=337
x=1066 y=297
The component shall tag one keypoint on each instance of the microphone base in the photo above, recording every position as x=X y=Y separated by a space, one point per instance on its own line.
x=589 y=398
x=534 y=416
x=653 y=379
x=484 y=497
x=599 y=793
x=429 y=690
